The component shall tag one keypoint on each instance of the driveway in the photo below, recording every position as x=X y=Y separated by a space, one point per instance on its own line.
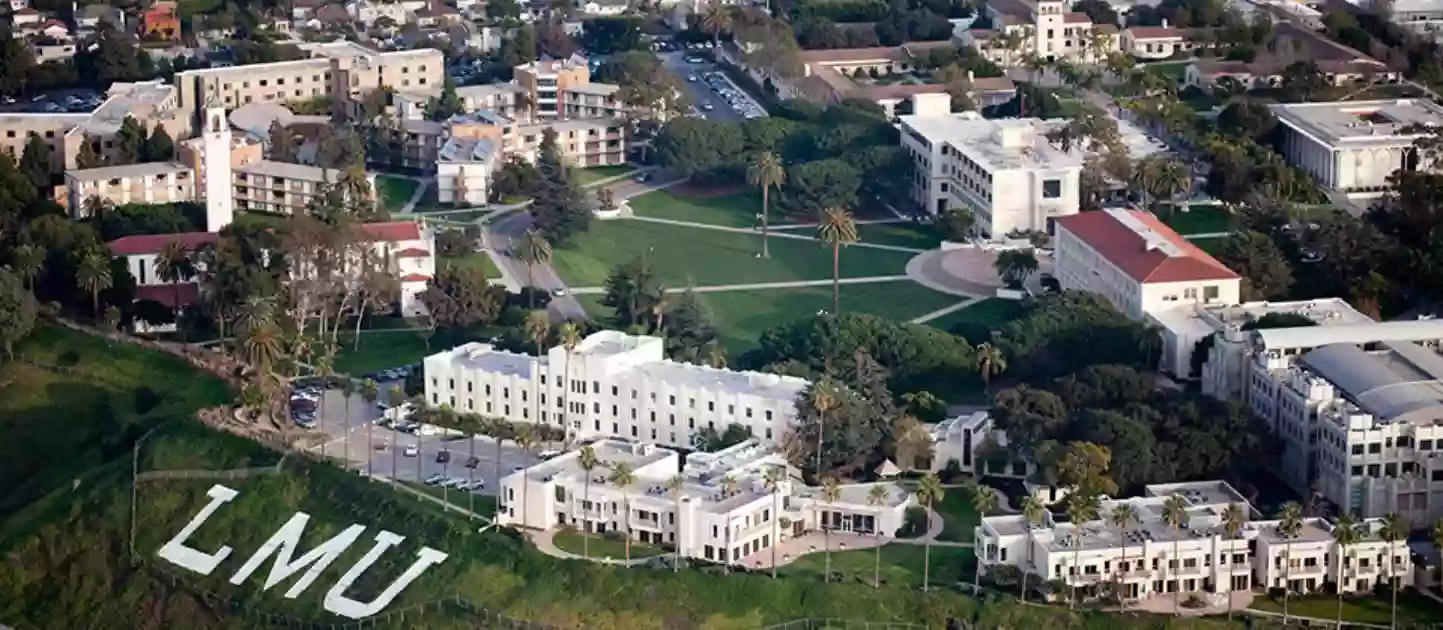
x=700 y=92
x=508 y=229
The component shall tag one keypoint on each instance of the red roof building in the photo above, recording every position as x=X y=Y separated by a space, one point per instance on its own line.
x=142 y=244
x=1138 y=263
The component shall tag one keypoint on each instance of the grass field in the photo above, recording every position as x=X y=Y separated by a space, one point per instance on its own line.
x=709 y=257
x=738 y=210
x=1413 y=609
x=84 y=407
x=1210 y=245
x=1198 y=219
x=584 y=176
x=901 y=565
x=1171 y=69
x=958 y=516
x=478 y=260
x=902 y=234
x=742 y=316
x=393 y=192
x=382 y=350
x=602 y=547
x=991 y=312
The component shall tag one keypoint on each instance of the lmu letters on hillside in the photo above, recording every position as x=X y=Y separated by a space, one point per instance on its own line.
x=284 y=543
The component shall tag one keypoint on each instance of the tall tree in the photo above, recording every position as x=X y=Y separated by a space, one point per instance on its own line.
x=18 y=310
x=772 y=479
x=558 y=210
x=837 y=228
x=1032 y=514
x=87 y=157
x=1234 y=518
x=1290 y=525
x=929 y=493
x=1174 y=513
x=533 y=250
x=175 y=267
x=159 y=146
x=281 y=143
x=1345 y=535
x=876 y=497
x=1122 y=516
x=446 y=105
x=765 y=172
x=622 y=477
x=35 y=162
x=130 y=141
x=984 y=500
x=831 y=493
x=1394 y=529
x=1082 y=507
x=588 y=461
x=674 y=486
x=28 y=261
x=570 y=337
x=92 y=273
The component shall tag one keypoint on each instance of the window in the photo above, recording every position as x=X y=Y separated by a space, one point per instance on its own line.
x=1210 y=293
x=1051 y=188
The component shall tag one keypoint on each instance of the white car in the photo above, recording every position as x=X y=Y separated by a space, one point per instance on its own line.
x=435 y=479
x=548 y=454
x=411 y=451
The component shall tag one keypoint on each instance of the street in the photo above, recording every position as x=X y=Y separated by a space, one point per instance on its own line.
x=368 y=446
x=507 y=230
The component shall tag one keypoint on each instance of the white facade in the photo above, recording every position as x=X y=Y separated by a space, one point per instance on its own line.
x=702 y=518
x=1048 y=30
x=1354 y=146
x=613 y=385
x=1150 y=557
x=219 y=204
x=148 y=183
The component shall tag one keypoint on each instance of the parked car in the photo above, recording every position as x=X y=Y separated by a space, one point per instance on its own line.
x=411 y=451
x=549 y=453
x=473 y=461
x=435 y=479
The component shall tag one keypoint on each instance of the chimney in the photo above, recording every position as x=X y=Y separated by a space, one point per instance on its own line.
x=1164 y=22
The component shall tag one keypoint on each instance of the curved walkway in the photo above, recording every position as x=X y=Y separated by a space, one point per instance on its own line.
x=928 y=270
x=545 y=542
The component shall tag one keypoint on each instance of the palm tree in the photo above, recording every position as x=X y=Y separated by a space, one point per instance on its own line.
x=674 y=486
x=1122 y=517
x=765 y=172
x=262 y=346
x=831 y=492
x=533 y=250
x=1081 y=508
x=395 y=397
x=1394 y=529
x=773 y=477
x=29 y=260
x=929 y=492
x=95 y=207
x=715 y=21
x=472 y=425
x=716 y=355
x=526 y=438
x=538 y=328
x=984 y=500
x=369 y=393
x=348 y=390
x=1173 y=177
x=1234 y=517
x=323 y=365
x=990 y=362
x=876 y=496
x=93 y=273
x=1174 y=513
x=728 y=488
x=174 y=266
x=446 y=418
x=1345 y=535
x=837 y=228
x=570 y=335
x=500 y=430
x=1290 y=525
x=112 y=317
x=824 y=401
x=1032 y=512
x=588 y=462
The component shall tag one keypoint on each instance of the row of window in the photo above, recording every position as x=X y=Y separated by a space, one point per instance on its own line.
x=579 y=387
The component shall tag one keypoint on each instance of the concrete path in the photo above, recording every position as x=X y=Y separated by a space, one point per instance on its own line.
x=545 y=542
x=426 y=182
x=926 y=269
x=1207 y=235
x=723 y=228
x=758 y=286
x=948 y=310
x=809 y=226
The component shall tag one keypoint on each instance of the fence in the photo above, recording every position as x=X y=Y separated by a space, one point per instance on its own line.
x=845 y=624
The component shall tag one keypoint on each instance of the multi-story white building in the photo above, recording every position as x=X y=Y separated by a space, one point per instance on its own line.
x=613 y=385
x=1005 y=171
x=721 y=508
x=1151 y=556
x=1357 y=408
x=155 y=182
x=1048 y=31
x=1354 y=146
x=1142 y=267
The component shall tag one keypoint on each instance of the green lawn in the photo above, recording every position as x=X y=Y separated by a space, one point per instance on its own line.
x=991 y=312
x=1197 y=219
x=739 y=210
x=483 y=504
x=1210 y=245
x=82 y=408
x=602 y=547
x=958 y=516
x=902 y=234
x=710 y=257
x=1413 y=609
x=479 y=260
x=741 y=317
x=393 y=192
x=584 y=176
x=1171 y=69
x=901 y=565
x=382 y=350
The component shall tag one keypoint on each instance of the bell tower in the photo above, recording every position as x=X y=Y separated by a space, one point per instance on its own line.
x=216 y=139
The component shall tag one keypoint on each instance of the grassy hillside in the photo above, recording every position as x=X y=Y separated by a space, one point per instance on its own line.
x=67 y=564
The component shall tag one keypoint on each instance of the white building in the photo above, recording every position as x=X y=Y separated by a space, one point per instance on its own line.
x=1157 y=42
x=463 y=170
x=1005 y=171
x=613 y=385
x=605 y=7
x=1048 y=29
x=1150 y=556
x=1354 y=146
x=1143 y=268
x=148 y=183
x=722 y=510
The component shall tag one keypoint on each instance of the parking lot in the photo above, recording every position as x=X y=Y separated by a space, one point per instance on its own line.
x=714 y=94
x=54 y=102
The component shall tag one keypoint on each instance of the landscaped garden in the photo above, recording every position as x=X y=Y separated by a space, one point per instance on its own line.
x=476 y=260
x=914 y=235
x=571 y=541
x=393 y=192
x=1196 y=219
x=901 y=565
x=386 y=349
x=991 y=312
x=1414 y=610
x=735 y=210
x=709 y=257
x=585 y=176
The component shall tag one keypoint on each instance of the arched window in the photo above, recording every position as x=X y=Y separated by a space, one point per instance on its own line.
x=215 y=123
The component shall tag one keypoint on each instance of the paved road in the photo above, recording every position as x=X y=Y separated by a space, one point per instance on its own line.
x=385 y=448
x=700 y=92
x=508 y=229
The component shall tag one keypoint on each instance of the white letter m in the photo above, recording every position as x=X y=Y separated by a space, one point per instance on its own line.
x=284 y=544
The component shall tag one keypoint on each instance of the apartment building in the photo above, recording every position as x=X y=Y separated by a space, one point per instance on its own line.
x=465 y=163
x=341 y=70
x=1357 y=407
x=1142 y=267
x=1353 y=147
x=723 y=510
x=1048 y=31
x=613 y=385
x=505 y=99
x=548 y=84
x=1151 y=556
x=150 y=102
x=282 y=187
x=156 y=182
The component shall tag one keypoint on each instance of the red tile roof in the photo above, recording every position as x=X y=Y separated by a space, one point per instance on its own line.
x=1128 y=250
x=393 y=231
x=156 y=243
x=1076 y=18
x=413 y=252
x=416 y=277
x=166 y=293
x=1155 y=32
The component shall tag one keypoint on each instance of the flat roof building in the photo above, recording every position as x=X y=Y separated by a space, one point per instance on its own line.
x=1354 y=146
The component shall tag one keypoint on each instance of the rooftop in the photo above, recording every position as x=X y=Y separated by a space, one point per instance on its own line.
x=1205 y=319
x=1350 y=333
x=486 y=358
x=468 y=150
x=147 y=169
x=1391 y=384
x=288 y=170
x=156 y=243
x=1142 y=247
x=147 y=101
x=1366 y=121
x=1001 y=144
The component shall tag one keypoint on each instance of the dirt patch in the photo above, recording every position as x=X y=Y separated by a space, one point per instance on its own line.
x=702 y=190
